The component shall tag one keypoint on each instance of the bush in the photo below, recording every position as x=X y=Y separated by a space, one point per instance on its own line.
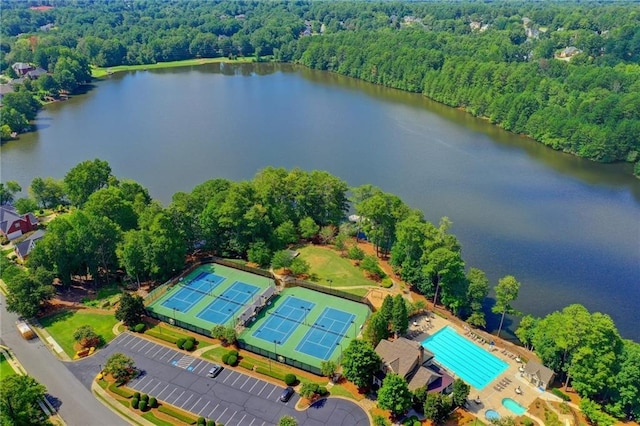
x=135 y=402
x=180 y=342
x=144 y=397
x=153 y=402
x=323 y=391
x=188 y=345
x=246 y=364
x=290 y=379
x=143 y=405
x=211 y=422
x=136 y=395
x=355 y=253
x=139 y=328
x=201 y=420
x=232 y=360
x=527 y=421
x=234 y=353
x=123 y=392
x=225 y=358
x=159 y=335
x=559 y=393
x=178 y=415
x=266 y=372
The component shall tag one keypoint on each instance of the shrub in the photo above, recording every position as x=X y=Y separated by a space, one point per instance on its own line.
x=191 y=338
x=323 y=391
x=355 y=253
x=211 y=422
x=233 y=352
x=136 y=395
x=178 y=415
x=135 y=402
x=139 y=328
x=143 y=405
x=123 y=392
x=290 y=379
x=225 y=358
x=202 y=421
x=144 y=397
x=559 y=393
x=233 y=360
x=266 y=372
x=527 y=421
x=153 y=402
x=246 y=364
x=180 y=342
x=188 y=345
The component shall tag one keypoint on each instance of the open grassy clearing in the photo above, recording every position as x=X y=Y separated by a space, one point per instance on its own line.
x=327 y=264
x=63 y=324
x=97 y=72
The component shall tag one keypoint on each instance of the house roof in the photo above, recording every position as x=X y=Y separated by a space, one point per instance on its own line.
x=401 y=355
x=21 y=66
x=423 y=377
x=8 y=215
x=534 y=368
x=36 y=73
x=25 y=246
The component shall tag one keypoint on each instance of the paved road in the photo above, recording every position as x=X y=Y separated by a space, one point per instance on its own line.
x=232 y=398
x=76 y=405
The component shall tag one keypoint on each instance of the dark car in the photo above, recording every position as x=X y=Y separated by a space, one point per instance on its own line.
x=286 y=394
x=214 y=371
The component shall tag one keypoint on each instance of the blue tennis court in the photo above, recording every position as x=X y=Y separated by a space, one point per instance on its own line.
x=191 y=292
x=225 y=305
x=323 y=336
x=283 y=321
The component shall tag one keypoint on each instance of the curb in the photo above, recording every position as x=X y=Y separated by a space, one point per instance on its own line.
x=115 y=406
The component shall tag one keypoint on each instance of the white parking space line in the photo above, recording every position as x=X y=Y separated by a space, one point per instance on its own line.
x=176 y=400
x=165 y=388
x=185 y=403
x=254 y=419
x=154 y=388
x=220 y=416
x=150 y=349
x=227 y=378
x=239 y=377
x=140 y=380
x=229 y=421
x=169 y=351
x=141 y=348
x=254 y=385
x=149 y=383
x=245 y=382
x=195 y=367
x=265 y=385
x=213 y=411
x=269 y=396
x=204 y=408
x=157 y=352
x=241 y=420
x=128 y=341
x=169 y=396
x=194 y=405
x=137 y=342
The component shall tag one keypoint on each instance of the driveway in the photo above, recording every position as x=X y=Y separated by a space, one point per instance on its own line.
x=231 y=398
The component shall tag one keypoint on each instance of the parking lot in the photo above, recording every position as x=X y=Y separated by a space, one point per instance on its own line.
x=231 y=398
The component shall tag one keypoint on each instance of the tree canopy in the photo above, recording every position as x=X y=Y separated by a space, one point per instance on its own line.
x=359 y=362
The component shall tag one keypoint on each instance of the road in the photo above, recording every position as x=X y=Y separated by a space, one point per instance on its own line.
x=75 y=403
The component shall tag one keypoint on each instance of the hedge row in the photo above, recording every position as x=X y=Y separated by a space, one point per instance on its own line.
x=178 y=415
x=246 y=364
x=274 y=374
x=559 y=393
x=161 y=336
x=123 y=392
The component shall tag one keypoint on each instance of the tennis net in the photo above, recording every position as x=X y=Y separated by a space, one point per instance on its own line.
x=314 y=326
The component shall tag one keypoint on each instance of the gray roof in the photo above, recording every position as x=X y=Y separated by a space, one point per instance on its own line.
x=401 y=356
x=23 y=248
x=534 y=368
x=8 y=215
x=423 y=377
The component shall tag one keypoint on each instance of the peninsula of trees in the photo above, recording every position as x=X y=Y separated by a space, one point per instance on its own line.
x=112 y=225
x=565 y=73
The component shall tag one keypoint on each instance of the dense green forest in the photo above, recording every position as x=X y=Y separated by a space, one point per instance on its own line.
x=565 y=73
x=109 y=227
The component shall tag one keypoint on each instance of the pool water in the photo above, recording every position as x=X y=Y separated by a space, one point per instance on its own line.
x=513 y=406
x=492 y=415
x=465 y=359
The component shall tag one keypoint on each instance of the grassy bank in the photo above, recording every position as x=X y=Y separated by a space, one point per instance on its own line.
x=63 y=324
x=97 y=72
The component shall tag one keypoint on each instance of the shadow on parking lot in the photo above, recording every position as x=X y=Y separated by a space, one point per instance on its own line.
x=319 y=404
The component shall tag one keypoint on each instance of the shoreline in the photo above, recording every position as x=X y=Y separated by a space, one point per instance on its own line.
x=101 y=72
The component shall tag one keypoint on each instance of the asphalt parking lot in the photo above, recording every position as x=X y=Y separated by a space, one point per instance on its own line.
x=232 y=398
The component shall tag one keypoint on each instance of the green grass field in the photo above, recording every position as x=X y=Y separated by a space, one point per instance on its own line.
x=231 y=276
x=321 y=301
x=62 y=325
x=327 y=264
x=98 y=72
x=5 y=369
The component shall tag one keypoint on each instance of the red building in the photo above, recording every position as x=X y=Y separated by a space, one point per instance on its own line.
x=13 y=225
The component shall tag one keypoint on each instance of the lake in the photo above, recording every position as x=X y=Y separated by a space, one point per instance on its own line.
x=566 y=228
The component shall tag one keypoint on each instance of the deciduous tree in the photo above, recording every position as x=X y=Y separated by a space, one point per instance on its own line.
x=399 y=316
x=86 y=178
x=394 y=394
x=130 y=309
x=120 y=366
x=27 y=291
x=506 y=292
x=20 y=397
x=359 y=362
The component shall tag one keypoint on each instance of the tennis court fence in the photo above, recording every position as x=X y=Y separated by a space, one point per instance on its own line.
x=284 y=360
x=178 y=323
x=293 y=282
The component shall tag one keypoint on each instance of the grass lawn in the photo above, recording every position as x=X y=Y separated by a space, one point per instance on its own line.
x=327 y=264
x=97 y=72
x=5 y=369
x=63 y=324
x=107 y=296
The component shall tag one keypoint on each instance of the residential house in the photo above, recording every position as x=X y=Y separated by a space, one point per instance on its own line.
x=22 y=68
x=409 y=359
x=539 y=375
x=13 y=225
x=24 y=247
x=34 y=74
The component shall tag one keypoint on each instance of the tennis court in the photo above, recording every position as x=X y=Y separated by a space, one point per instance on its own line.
x=225 y=305
x=303 y=328
x=284 y=320
x=323 y=336
x=192 y=291
x=204 y=297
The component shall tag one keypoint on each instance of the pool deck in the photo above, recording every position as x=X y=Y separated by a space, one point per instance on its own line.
x=489 y=398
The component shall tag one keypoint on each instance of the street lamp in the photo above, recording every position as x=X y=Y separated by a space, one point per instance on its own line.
x=304 y=321
x=340 y=344
x=354 y=328
x=234 y=318
x=330 y=281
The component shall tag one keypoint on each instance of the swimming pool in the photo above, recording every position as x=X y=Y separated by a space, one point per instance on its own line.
x=470 y=362
x=513 y=406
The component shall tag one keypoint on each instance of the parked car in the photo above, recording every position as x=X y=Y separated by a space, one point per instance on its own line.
x=214 y=371
x=286 y=394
